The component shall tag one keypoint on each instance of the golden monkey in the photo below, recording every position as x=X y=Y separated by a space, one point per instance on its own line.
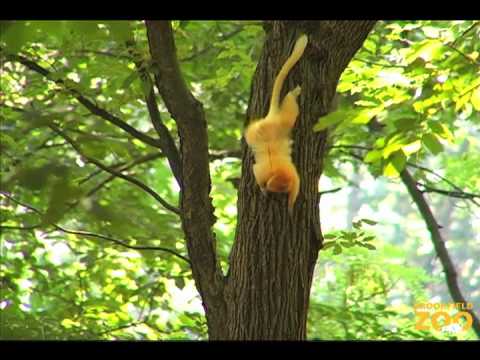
x=269 y=137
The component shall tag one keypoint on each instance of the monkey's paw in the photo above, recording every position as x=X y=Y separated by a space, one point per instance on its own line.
x=296 y=91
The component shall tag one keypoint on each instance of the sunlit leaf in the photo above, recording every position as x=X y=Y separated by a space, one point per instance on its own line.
x=372 y=155
x=366 y=115
x=475 y=99
x=412 y=148
x=390 y=170
x=427 y=50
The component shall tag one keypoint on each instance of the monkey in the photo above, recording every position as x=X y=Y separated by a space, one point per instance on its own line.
x=269 y=137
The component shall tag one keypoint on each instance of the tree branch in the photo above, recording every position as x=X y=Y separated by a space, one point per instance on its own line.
x=94 y=109
x=457 y=188
x=439 y=244
x=84 y=233
x=473 y=61
x=140 y=160
x=474 y=25
x=357 y=147
x=114 y=172
x=214 y=155
x=197 y=210
x=455 y=194
x=458 y=193
x=222 y=154
x=165 y=138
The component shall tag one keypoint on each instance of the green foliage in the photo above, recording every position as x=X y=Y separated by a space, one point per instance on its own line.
x=363 y=294
x=416 y=82
x=348 y=239
x=413 y=82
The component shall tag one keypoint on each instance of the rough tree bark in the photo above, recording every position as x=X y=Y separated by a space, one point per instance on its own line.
x=265 y=295
x=274 y=254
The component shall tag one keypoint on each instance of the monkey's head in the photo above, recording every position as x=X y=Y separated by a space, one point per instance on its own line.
x=280 y=182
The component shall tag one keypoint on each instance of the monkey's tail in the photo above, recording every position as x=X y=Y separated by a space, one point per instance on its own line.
x=297 y=53
x=292 y=195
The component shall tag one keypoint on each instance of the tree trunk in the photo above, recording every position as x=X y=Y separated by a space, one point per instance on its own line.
x=272 y=261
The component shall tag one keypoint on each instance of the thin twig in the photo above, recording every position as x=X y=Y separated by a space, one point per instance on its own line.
x=94 y=109
x=114 y=172
x=85 y=233
x=167 y=144
x=473 y=61
x=330 y=191
x=378 y=64
x=210 y=47
x=455 y=194
x=470 y=28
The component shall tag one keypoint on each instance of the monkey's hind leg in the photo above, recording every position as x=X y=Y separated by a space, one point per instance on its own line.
x=289 y=107
x=260 y=177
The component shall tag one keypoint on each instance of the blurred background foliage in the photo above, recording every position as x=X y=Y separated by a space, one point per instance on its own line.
x=409 y=98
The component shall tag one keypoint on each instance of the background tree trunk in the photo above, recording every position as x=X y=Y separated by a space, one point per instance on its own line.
x=272 y=261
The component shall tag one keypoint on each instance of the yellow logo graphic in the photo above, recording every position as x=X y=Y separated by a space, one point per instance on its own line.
x=441 y=318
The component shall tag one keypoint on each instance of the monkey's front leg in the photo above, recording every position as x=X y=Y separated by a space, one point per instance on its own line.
x=289 y=108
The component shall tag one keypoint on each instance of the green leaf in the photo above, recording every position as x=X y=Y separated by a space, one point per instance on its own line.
x=180 y=282
x=327 y=121
x=129 y=79
x=147 y=86
x=328 y=245
x=329 y=236
x=337 y=249
x=356 y=224
x=405 y=124
x=368 y=246
x=61 y=193
x=441 y=130
x=461 y=101
x=366 y=115
x=344 y=113
x=398 y=160
x=368 y=221
x=432 y=143
x=330 y=170
x=372 y=156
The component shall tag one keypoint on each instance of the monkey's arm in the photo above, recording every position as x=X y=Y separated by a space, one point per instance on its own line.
x=289 y=110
